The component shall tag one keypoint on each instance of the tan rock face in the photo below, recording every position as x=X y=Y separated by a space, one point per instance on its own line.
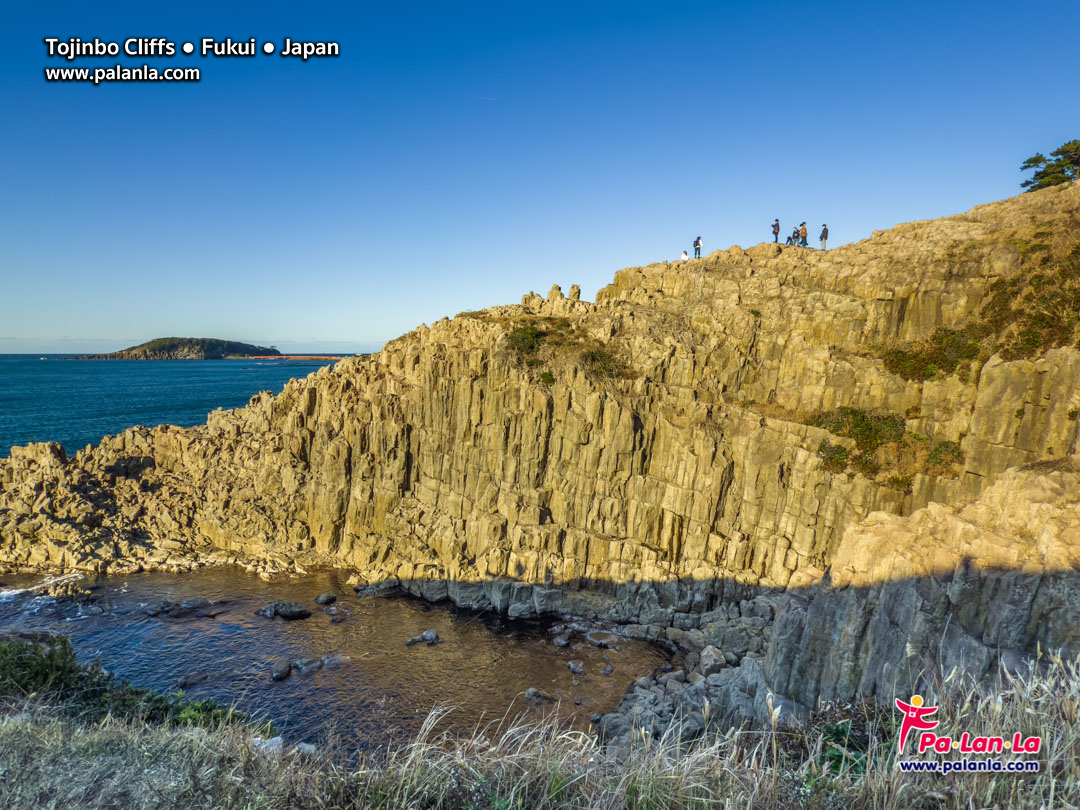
x=640 y=462
x=1028 y=521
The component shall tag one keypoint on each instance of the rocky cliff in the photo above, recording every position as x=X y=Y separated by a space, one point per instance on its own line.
x=816 y=474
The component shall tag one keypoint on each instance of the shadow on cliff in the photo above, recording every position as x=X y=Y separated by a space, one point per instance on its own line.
x=809 y=644
x=131 y=467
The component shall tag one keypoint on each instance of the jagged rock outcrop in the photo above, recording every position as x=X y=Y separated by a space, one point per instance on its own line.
x=650 y=458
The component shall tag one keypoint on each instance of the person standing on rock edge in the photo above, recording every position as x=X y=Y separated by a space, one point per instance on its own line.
x=802 y=235
x=824 y=236
x=794 y=238
x=697 y=248
x=776 y=231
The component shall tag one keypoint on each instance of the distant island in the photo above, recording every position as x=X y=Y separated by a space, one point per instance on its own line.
x=177 y=348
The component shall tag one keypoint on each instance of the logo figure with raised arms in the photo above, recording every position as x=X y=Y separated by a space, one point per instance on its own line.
x=915 y=715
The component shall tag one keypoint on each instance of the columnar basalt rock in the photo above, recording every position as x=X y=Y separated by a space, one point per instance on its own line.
x=645 y=459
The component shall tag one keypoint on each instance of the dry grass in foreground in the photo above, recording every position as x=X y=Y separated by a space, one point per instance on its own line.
x=50 y=760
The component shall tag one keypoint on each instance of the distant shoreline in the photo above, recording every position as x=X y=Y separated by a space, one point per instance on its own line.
x=293 y=357
x=181 y=348
x=296 y=358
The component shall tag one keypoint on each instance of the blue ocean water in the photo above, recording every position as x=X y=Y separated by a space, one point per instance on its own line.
x=77 y=402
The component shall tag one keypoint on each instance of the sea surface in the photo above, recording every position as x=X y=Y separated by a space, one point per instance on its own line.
x=77 y=402
x=376 y=691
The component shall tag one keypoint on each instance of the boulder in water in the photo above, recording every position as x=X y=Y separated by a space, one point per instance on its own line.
x=191 y=679
x=428 y=637
x=67 y=589
x=306 y=665
x=532 y=693
x=290 y=611
x=189 y=608
x=280 y=669
x=577 y=666
x=337 y=614
x=325 y=599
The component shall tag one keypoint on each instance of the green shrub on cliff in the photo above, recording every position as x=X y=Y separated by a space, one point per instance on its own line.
x=943 y=351
x=525 y=340
x=884 y=451
x=554 y=344
x=38 y=663
x=834 y=456
x=603 y=364
x=946 y=453
x=44 y=667
x=900 y=482
x=865 y=464
x=869 y=430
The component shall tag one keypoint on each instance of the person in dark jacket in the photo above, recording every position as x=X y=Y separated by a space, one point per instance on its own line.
x=794 y=238
x=824 y=236
x=776 y=230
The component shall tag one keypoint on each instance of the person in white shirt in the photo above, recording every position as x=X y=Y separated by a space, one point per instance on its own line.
x=684 y=257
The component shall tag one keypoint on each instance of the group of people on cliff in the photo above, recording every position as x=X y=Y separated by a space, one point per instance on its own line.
x=797 y=238
x=799 y=234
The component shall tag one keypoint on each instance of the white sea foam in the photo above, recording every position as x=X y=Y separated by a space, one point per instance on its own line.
x=10 y=593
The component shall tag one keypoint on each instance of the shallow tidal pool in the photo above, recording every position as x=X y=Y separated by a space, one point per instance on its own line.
x=373 y=689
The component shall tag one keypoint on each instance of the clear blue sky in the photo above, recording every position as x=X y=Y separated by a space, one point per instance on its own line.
x=456 y=156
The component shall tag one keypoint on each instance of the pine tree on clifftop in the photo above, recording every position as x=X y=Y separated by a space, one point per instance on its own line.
x=1063 y=166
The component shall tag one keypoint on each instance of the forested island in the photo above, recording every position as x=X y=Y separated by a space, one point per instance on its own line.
x=177 y=348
